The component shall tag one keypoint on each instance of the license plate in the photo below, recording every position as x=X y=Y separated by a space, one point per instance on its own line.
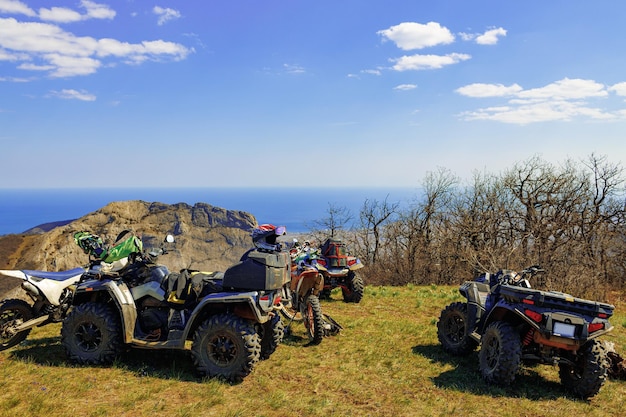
x=565 y=330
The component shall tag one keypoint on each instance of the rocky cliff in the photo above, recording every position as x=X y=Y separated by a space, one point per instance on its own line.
x=208 y=238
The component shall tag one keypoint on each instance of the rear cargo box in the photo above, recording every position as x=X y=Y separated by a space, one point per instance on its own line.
x=259 y=271
x=555 y=300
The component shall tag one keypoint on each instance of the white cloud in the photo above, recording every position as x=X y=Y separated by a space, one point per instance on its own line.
x=371 y=72
x=70 y=94
x=490 y=37
x=424 y=62
x=37 y=46
x=619 y=89
x=488 y=90
x=66 y=15
x=293 y=69
x=405 y=87
x=16 y=7
x=165 y=14
x=563 y=100
x=411 y=35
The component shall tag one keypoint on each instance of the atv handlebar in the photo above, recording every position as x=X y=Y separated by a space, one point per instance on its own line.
x=518 y=278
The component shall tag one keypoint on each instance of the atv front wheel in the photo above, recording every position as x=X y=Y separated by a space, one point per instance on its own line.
x=313 y=319
x=587 y=376
x=273 y=334
x=500 y=353
x=13 y=312
x=453 y=330
x=92 y=334
x=354 y=291
x=226 y=346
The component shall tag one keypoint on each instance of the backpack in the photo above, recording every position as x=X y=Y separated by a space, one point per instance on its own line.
x=334 y=250
x=122 y=250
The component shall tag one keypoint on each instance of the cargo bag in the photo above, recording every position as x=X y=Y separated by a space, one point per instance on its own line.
x=334 y=250
x=259 y=271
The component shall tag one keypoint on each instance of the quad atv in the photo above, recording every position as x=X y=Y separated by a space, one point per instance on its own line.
x=231 y=318
x=515 y=324
x=337 y=267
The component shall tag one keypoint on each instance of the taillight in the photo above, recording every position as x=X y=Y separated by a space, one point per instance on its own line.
x=528 y=301
x=603 y=315
x=537 y=317
x=594 y=327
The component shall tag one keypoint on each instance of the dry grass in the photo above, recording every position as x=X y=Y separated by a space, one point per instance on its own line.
x=385 y=362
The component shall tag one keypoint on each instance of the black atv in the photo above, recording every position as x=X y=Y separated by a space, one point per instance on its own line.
x=516 y=324
x=231 y=318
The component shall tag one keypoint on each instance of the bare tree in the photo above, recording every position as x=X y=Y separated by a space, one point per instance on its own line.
x=374 y=215
x=330 y=226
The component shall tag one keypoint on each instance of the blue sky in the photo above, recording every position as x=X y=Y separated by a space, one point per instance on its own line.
x=303 y=93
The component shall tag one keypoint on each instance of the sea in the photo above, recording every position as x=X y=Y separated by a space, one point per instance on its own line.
x=296 y=208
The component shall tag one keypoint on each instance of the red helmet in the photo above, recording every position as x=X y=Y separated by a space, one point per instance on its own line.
x=264 y=236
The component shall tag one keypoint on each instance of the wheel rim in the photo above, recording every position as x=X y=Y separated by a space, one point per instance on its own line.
x=222 y=350
x=88 y=337
x=454 y=329
x=9 y=319
x=492 y=352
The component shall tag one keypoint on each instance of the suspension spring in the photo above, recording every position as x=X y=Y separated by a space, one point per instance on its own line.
x=529 y=337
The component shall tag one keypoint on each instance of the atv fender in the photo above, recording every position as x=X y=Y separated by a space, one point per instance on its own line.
x=119 y=293
x=504 y=312
x=242 y=304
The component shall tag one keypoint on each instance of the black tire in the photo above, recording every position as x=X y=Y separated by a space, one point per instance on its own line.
x=273 y=334
x=354 y=291
x=453 y=330
x=226 y=346
x=588 y=375
x=500 y=353
x=13 y=312
x=313 y=319
x=92 y=334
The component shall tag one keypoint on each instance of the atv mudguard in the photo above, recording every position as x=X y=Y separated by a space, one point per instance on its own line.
x=119 y=293
x=476 y=294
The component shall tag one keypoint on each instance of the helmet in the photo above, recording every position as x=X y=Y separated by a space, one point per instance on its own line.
x=264 y=237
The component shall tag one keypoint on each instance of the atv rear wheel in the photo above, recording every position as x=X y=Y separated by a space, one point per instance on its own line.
x=313 y=319
x=13 y=312
x=92 y=334
x=453 y=330
x=354 y=291
x=273 y=333
x=226 y=346
x=500 y=353
x=589 y=374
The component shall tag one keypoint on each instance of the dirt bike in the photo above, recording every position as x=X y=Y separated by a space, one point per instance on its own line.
x=339 y=271
x=515 y=324
x=51 y=292
x=306 y=284
x=51 y=295
x=231 y=318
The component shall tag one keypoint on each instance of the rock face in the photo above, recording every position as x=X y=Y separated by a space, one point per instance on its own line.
x=208 y=238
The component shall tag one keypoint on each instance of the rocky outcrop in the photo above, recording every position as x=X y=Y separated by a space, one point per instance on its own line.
x=208 y=238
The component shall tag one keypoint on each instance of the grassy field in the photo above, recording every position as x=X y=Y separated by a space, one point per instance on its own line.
x=385 y=362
